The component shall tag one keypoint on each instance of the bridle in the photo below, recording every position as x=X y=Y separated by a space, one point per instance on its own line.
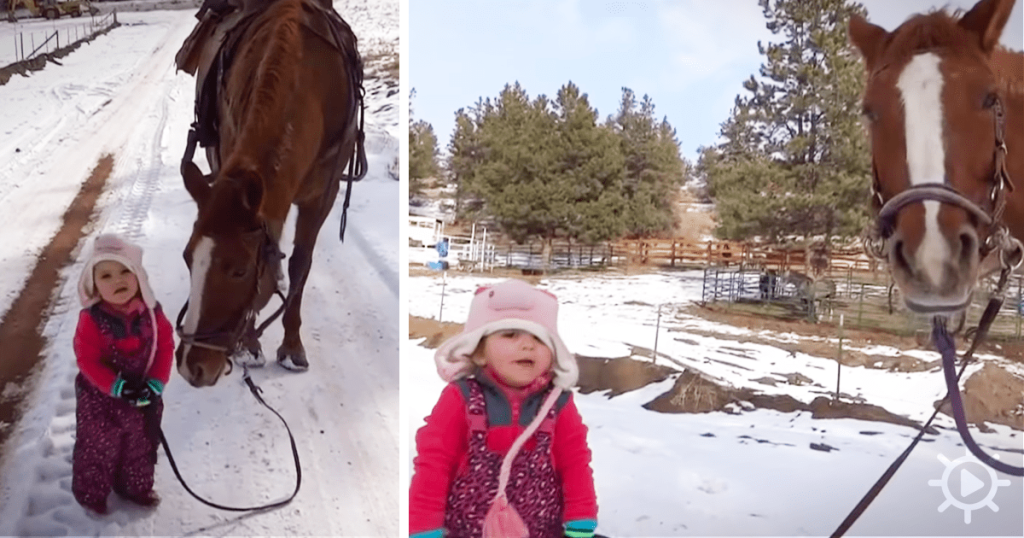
x=999 y=236
x=229 y=341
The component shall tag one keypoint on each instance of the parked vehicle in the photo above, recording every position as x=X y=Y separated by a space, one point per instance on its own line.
x=51 y=9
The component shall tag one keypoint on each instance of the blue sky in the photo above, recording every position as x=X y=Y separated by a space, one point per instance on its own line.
x=690 y=56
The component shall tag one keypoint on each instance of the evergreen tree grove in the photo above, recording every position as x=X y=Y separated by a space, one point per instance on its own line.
x=794 y=160
x=546 y=169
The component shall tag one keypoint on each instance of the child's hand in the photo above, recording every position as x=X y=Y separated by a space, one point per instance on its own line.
x=137 y=396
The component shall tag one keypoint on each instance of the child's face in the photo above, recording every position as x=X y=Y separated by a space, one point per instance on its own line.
x=517 y=357
x=115 y=283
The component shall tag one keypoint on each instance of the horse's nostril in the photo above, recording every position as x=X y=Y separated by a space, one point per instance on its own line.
x=899 y=256
x=197 y=371
x=968 y=244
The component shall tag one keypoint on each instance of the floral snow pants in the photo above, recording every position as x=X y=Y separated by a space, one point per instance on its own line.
x=115 y=447
x=534 y=489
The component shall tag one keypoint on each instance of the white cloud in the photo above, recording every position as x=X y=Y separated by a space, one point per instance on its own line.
x=711 y=37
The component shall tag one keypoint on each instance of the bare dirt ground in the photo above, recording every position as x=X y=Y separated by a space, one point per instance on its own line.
x=991 y=395
x=21 y=326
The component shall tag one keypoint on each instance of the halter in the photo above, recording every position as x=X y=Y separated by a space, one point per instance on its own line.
x=999 y=236
x=268 y=252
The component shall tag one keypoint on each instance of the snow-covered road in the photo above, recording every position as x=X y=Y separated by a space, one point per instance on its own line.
x=121 y=95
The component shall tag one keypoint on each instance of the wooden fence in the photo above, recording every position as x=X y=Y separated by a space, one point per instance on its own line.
x=672 y=253
x=678 y=252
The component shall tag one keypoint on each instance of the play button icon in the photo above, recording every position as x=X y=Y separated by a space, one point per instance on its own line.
x=969 y=483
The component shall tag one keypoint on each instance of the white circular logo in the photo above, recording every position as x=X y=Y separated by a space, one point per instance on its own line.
x=969 y=483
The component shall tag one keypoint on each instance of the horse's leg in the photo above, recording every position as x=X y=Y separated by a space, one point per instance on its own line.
x=308 y=221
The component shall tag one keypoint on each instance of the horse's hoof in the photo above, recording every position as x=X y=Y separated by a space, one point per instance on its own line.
x=248 y=358
x=295 y=362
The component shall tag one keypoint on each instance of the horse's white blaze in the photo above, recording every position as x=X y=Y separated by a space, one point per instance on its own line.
x=920 y=87
x=202 y=258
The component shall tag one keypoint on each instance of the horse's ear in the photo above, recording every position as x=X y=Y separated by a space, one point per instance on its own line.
x=868 y=39
x=196 y=183
x=251 y=189
x=986 y=20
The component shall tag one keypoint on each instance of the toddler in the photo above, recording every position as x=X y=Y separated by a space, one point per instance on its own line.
x=504 y=452
x=123 y=344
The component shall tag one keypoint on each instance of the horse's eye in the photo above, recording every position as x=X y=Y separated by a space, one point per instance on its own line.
x=239 y=272
x=869 y=113
x=990 y=100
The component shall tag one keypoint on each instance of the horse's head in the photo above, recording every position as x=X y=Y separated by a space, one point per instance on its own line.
x=227 y=255
x=936 y=120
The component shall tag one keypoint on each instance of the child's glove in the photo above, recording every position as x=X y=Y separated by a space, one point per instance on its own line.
x=580 y=528
x=138 y=397
x=135 y=391
x=155 y=386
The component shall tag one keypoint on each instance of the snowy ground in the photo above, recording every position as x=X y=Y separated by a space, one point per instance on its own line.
x=751 y=473
x=120 y=94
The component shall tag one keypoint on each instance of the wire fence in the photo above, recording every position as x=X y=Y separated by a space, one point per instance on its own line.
x=25 y=45
x=866 y=301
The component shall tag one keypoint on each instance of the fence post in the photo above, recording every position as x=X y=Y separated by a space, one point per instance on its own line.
x=839 y=357
x=1020 y=305
x=657 y=329
x=444 y=279
x=860 y=305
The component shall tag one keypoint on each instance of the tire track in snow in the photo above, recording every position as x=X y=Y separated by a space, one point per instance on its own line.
x=137 y=196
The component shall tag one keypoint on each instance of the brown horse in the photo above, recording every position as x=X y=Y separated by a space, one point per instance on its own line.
x=286 y=109
x=945 y=107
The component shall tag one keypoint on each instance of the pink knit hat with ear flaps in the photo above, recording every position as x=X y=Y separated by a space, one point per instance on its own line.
x=512 y=304
x=111 y=247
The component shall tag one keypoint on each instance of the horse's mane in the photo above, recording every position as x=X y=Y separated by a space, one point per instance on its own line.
x=926 y=31
x=276 y=46
x=938 y=29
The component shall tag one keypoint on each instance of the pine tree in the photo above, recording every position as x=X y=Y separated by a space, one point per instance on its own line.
x=654 y=170
x=465 y=153
x=515 y=177
x=794 y=159
x=422 y=151
x=589 y=160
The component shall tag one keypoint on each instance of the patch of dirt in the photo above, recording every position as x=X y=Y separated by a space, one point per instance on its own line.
x=21 y=327
x=618 y=376
x=435 y=332
x=694 y=393
x=992 y=395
